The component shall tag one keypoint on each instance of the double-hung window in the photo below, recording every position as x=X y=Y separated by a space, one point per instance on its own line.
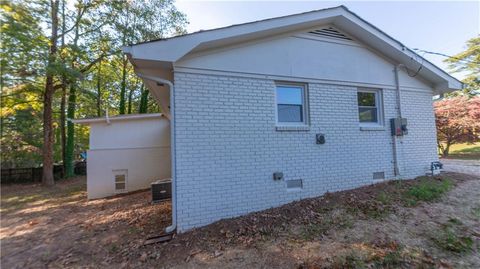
x=369 y=107
x=291 y=104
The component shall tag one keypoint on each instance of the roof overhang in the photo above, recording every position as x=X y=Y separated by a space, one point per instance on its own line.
x=168 y=51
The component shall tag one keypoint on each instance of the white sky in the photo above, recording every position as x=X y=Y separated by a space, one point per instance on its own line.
x=437 y=26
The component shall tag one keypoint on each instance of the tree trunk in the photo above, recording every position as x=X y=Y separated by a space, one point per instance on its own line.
x=446 y=150
x=130 y=95
x=71 y=107
x=47 y=175
x=63 y=135
x=47 y=178
x=123 y=86
x=143 y=108
x=99 y=90
x=72 y=101
x=124 y=64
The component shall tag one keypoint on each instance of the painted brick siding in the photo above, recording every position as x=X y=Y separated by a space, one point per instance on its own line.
x=227 y=147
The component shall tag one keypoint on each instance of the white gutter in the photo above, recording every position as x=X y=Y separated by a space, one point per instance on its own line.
x=170 y=116
x=124 y=117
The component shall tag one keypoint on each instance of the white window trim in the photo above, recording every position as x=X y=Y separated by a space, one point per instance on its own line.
x=294 y=126
x=369 y=126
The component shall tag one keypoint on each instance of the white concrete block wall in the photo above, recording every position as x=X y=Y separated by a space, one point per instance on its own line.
x=141 y=146
x=420 y=145
x=227 y=146
x=143 y=166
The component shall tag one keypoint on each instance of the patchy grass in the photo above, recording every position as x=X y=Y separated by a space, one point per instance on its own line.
x=453 y=236
x=395 y=255
x=378 y=205
x=352 y=259
x=387 y=254
x=476 y=212
x=375 y=226
x=384 y=198
x=427 y=190
x=338 y=218
x=17 y=197
x=465 y=151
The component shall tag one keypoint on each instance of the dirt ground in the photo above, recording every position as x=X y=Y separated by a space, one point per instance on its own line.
x=59 y=228
x=376 y=226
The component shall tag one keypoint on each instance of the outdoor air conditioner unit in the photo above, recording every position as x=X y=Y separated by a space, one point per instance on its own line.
x=161 y=190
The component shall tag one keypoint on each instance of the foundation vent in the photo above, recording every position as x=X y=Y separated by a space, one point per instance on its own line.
x=120 y=177
x=379 y=175
x=330 y=32
x=294 y=184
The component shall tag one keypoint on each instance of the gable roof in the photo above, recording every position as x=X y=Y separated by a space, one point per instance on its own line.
x=170 y=50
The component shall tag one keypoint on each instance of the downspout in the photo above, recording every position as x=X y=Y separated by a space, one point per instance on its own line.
x=396 y=169
x=399 y=94
x=171 y=117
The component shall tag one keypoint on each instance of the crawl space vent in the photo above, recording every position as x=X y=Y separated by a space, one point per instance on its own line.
x=330 y=32
x=378 y=175
x=120 y=177
x=294 y=184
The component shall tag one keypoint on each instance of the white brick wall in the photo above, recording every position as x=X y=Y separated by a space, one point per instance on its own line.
x=227 y=147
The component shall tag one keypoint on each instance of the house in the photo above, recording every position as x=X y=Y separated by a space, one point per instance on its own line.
x=127 y=153
x=272 y=111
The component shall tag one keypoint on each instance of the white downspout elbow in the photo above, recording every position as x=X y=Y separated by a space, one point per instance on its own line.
x=171 y=117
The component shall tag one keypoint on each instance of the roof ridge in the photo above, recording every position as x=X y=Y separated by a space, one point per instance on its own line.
x=240 y=24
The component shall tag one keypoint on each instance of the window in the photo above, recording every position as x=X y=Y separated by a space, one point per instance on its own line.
x=120 y=177
x=291 y=104
x=369 y=107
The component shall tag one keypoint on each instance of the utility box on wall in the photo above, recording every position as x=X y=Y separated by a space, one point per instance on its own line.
x=398 y=126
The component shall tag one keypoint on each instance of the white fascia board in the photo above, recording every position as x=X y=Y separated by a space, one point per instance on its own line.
x=174 y=49
x=89 y=121
x=391 y=47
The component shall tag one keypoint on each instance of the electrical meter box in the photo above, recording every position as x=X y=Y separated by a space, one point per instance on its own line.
x=398 y=126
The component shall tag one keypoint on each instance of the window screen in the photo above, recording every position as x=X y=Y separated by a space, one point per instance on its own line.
x=290 y=104
x=368 y=107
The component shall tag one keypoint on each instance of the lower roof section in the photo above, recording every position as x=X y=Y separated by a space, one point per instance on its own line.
x=127 y=117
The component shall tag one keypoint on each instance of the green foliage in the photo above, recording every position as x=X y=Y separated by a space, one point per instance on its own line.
x=468 y=61
x=458 y=121
x=428 y=190
x=88 y=65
